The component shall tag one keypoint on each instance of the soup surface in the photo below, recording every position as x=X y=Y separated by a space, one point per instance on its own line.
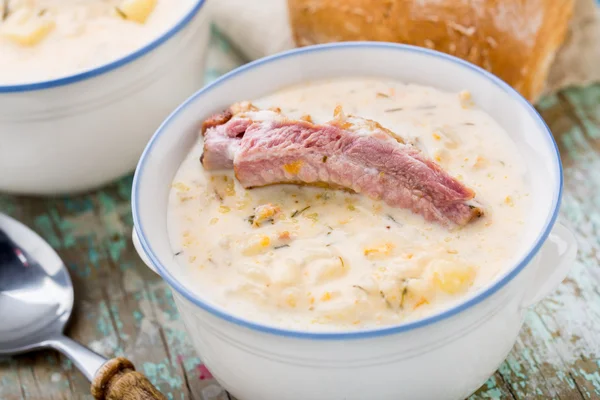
x=47 y=39
x=314 y=258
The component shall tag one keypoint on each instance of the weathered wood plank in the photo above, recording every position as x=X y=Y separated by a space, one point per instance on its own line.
x=10 y=382
x=495 y=388
x=41 y=380
x=123 y=308
x=571 y=315
x=574 y=310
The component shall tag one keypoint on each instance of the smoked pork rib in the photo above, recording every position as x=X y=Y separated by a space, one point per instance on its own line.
x=264 y=148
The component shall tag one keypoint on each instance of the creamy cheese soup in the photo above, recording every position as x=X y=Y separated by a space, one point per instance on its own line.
x=313 y=258
x=46 y=39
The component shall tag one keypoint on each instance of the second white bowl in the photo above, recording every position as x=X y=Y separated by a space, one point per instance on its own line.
x=77 y=133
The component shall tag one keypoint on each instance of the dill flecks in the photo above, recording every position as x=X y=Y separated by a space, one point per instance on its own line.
x=6 y=9
x=121 y=13
x=218 y=196
x=404 y=292
x=393 y=220
x=360 y=288
x=389 y=305
x=298 y=212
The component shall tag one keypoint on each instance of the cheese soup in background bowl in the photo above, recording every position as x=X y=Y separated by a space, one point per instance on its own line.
x=372 y=286
x=85 y=83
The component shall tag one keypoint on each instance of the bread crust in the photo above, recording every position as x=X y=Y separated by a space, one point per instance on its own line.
x=514 y=39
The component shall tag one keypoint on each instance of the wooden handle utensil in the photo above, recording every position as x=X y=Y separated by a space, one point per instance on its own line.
x=117 y=379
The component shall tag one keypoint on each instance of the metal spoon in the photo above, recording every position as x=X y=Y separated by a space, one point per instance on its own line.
x=36 y=300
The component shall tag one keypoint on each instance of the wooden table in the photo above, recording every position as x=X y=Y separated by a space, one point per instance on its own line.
x=125 y=309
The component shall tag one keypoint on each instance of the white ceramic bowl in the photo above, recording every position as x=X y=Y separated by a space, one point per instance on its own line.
x=444 y=356
x=81 y=131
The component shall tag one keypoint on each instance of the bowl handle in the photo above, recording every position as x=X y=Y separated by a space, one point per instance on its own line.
x=138 y=248
x=556 y=258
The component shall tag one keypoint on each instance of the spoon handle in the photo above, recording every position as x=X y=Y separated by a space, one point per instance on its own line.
x=87 y=361
x=117 y=379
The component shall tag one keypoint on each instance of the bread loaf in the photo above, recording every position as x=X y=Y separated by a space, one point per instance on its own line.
x=514 y=39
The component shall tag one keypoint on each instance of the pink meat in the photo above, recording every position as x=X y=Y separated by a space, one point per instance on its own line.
x=378 y=165
x=221 y=143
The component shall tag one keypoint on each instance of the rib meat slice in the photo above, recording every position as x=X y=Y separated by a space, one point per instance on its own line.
x=223 y=132
x=265 y=148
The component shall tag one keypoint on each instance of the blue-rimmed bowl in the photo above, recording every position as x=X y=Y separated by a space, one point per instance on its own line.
x=447 y=355
x=78 y=132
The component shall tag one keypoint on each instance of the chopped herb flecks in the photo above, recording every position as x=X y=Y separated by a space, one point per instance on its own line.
x=404 y=292
x=385 y=299
x=281 y=247
x=391 y=110
x=324 y=159
x=393 y=220
x=298 y=212
x=121 y=13
x=360 y=288
x=6 y=9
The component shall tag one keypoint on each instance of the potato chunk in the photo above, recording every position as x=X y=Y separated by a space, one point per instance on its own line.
x=256 y=244
x=26 y=29
x=327 y=269
x=379 y=252
x=137 y=10
x=452 y=277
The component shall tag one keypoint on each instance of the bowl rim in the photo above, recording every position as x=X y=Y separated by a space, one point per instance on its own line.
x=368 y=333
x=108 y=66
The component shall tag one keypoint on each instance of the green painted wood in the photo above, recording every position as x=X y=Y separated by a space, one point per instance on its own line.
x=125 y=309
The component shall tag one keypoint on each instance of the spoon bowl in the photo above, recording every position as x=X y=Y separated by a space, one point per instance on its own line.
x=36 y=301
x=36 y=298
